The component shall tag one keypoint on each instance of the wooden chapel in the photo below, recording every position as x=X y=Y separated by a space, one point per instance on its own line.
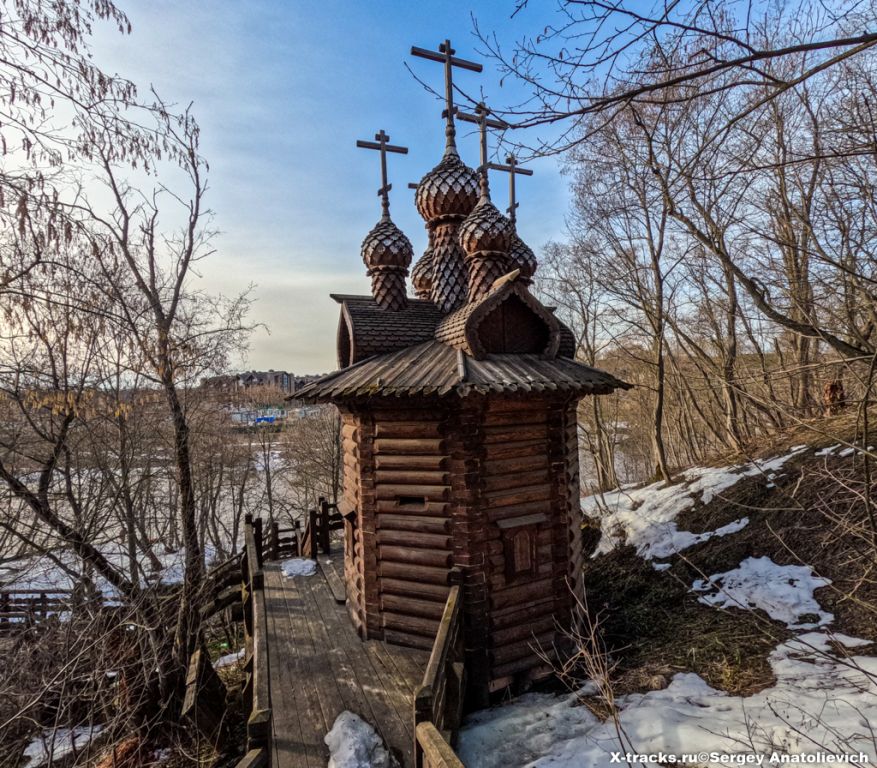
x=459 y=430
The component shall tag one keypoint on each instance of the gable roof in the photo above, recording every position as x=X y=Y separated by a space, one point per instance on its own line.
x=459 y=329
x=366 y=330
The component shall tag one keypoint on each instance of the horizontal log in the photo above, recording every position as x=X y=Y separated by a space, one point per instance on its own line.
x=406 y=446
x=501 y=637
x=516 y=496
x=428 y=557
x=407 y=461
x=411 y=477
x=518 y=510
x=411 y=572
x=408 y=429
x=515 y=614
x=521 y=594
x=519 y=665
x=410 y=606
x=522 y=479
x=432 y=508
x=528 y=418
x=519 y=649
x=414 y=522
x=494 y=435
x=414 y=539
x=388 y=492
x=415 y=625
x=516 y=464
x=435 y=592
x=514 y=449
x=408 y=639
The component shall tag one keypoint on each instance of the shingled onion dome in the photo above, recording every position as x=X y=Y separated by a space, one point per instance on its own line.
x=387 y=254
x=421 y=274
x=445 y=196
x=521 y=257
x=486 y=237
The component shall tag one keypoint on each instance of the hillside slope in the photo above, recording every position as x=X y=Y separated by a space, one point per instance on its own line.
x=737 y=610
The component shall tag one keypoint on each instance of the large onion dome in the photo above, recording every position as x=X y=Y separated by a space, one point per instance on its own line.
x=486 y=229
x=386 y=246
x=521 y=257
x=449 y=189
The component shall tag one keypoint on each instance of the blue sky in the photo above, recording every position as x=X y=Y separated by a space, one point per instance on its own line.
x=282 y=90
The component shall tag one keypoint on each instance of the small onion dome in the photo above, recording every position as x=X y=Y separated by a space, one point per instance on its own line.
x=522 y=257
x=386 y=246
x=486 y=229
x=449 y=189
x=421 y=274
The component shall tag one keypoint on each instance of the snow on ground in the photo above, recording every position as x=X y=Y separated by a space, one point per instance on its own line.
x=55 y=744
x=784 y=592
x=819 y=702
x=229 y=659
x=646 y=517
x=298 y=566
x=353 y=743
x=41 y=573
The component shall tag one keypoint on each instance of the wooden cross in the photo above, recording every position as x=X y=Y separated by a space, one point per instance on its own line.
x=383 y=147
x=445 y=55
x=512 y=169
x=483 y=122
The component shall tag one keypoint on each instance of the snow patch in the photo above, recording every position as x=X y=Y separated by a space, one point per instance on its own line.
x=354 y=743
x=53 y=744
x=298 y=566
x=645 y=517
x=784 y=592
x=818 y=702
x=229 y=659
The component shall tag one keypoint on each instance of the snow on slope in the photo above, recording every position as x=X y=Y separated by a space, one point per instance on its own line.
x=784 y=592
x=55 y=744
x=819 y=701
x=646 y=517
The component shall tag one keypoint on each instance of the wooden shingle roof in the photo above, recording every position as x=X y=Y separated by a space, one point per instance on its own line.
x=434 y=368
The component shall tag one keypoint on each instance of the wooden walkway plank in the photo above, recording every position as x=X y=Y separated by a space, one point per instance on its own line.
x=293 y=653
x=288 y=742
x=387 y=720
x=336 y=585
x=320 y=667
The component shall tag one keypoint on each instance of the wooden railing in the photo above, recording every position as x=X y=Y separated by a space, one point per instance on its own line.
x=438 y=702
x=257 y=693
x=20 y=609
x=318 y=530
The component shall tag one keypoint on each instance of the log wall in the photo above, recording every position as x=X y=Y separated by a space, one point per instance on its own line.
x=489 y=485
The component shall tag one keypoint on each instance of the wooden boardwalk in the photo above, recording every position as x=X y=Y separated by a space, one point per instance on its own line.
x=318 y=667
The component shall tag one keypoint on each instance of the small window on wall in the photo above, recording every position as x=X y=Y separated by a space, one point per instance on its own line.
x=411 y=502
x=520 y=553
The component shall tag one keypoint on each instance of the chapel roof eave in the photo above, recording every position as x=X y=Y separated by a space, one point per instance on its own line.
x=437 y=369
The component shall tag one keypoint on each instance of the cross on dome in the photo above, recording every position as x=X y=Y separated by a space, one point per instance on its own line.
x=445 y=55
x=381 y=145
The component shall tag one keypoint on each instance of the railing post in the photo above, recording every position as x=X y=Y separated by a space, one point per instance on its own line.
x=257 y=535
x=324 y=526
x=275 y=541
x=312 y=525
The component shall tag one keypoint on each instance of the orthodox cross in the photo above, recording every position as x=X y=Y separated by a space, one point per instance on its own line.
x=445 y=55
x=484 y=122
x=512 y=169
x=380 y=144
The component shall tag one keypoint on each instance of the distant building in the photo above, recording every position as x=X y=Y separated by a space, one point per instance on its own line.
x=283 y=380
